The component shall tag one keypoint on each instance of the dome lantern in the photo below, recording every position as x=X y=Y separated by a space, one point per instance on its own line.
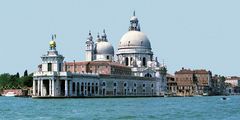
x=90 y=38
x=134 y=26
x=104 y=35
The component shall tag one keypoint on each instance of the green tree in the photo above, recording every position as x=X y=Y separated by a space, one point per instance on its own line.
x=4 y=80
x=12 y=83
x=27 y=81
x=25 y=73
x=17 y=75
x=8 y=81
x=222 y=84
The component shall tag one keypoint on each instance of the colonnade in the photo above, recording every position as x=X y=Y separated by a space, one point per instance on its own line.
x=68 y=88
x=51 y=87
x=84 y=88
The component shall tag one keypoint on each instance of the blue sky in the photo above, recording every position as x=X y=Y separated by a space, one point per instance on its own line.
x=192 y=34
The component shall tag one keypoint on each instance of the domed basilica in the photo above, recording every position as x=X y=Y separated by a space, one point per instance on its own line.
x=132 y=72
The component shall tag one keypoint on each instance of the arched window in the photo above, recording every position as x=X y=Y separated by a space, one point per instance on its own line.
x=125 y=85
x=135 y=85
x=144 y=61
x=115 y=84
x=148 y=75
x=103 y=83
x=126 y=61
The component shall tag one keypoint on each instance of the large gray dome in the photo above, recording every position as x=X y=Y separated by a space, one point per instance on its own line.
x=104 y=47
x=133 y=39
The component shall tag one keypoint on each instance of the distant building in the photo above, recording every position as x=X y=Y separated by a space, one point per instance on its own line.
x=193 y=82
x=232 y=85
x=171 y=85
x=233 y=81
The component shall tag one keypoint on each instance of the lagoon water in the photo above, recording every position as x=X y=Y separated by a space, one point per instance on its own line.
x=172 y=108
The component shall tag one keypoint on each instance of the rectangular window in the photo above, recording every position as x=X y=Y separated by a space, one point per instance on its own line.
x=49 y=66
x=59 y=67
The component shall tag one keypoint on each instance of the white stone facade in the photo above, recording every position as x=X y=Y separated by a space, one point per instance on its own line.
x=147 y=77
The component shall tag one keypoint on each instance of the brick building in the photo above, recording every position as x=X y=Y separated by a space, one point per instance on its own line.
x=193 y=82
x=100 y=67
x=171 y=85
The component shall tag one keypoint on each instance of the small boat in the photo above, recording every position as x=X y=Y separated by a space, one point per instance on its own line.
x=205 y=94
x=224 y=98
x=10 y=94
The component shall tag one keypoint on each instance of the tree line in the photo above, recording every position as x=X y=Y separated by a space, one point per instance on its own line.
x=8 y=81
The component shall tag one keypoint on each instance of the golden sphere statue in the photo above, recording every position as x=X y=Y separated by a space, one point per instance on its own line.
x=52 y=43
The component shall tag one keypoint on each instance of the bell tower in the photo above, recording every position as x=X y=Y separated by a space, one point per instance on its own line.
x=89 y=48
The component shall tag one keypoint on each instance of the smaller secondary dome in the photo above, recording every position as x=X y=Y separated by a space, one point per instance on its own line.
x=134 y=39
x=104 y=47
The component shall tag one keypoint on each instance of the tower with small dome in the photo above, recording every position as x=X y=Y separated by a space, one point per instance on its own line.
x=102 y=50
x=89 y=48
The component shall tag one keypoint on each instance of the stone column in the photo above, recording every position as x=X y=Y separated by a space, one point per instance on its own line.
x=66 y=87
x=93 y=89
x=90 y=91
x=76 y=90
x=38 y=91
x=50 y=87
x=34 y=87
x=97 y=93
x=129 y=61
x=53 y=87
x=41 y=88
x=70 y=88
x=84 y=89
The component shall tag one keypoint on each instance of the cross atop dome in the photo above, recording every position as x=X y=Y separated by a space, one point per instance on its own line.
x=98 y=39
x=134 y=26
